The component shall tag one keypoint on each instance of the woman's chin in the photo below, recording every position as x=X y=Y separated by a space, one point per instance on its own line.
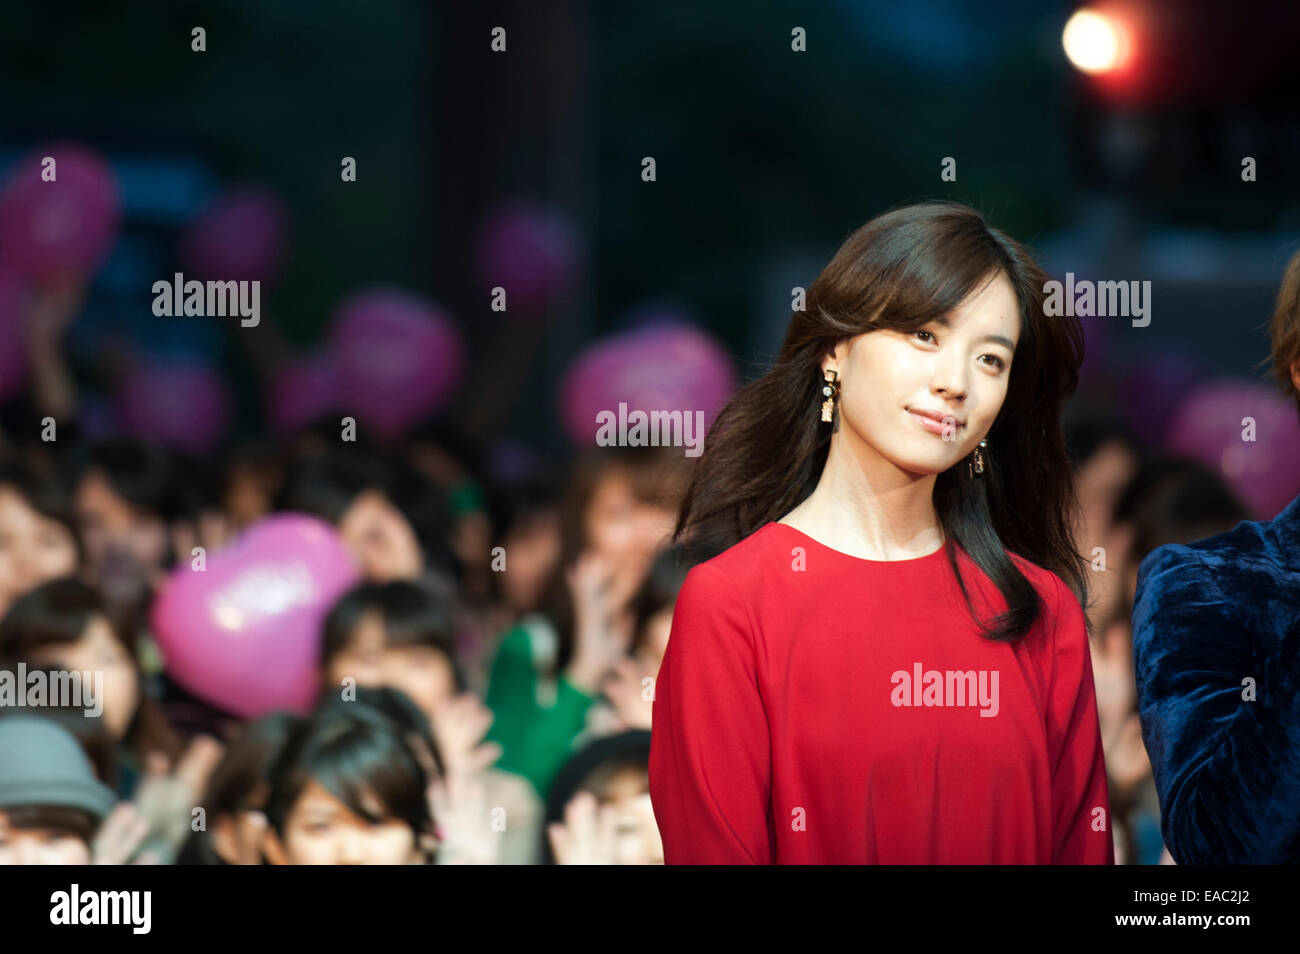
x=924 y=465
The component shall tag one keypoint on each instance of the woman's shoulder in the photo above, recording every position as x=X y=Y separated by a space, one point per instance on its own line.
x=1047 y=582
x=731 y=580
x=1059 y=601
x=741 y=564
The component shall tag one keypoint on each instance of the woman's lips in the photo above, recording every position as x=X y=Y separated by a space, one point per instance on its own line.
x=933 y=426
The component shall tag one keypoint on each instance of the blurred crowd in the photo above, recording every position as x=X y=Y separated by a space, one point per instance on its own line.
x=466 y=714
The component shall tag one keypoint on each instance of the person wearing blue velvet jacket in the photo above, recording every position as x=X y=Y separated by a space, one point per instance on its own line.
x=1216 y=644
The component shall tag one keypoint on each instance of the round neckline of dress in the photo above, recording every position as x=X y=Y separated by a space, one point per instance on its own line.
x=857 y=559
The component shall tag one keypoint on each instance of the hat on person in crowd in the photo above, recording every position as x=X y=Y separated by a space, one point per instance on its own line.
x=41 y=763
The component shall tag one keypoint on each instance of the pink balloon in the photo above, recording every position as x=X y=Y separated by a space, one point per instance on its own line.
x=13 y=331
x=63 y=227
x=1209 y=428
x=242 y=237
x=530 y=250
x=399 y=358
x=244 y=633
x=181 y=404
x=667 y=366
x=300 y=391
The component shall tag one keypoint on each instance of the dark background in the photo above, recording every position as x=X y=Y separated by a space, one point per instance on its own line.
x=767 y=158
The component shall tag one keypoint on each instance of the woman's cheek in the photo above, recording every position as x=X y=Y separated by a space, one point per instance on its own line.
x=306 y=848
x=398 y=846
x=68 y=851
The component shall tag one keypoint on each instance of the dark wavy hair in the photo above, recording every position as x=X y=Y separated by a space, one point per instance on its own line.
x=901 y=270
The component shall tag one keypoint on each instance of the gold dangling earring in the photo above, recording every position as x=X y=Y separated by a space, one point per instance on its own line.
x=830 y=390
x=978 y=466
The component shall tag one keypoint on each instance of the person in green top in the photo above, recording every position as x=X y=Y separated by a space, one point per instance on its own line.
x=619 y=511
x=536 y=716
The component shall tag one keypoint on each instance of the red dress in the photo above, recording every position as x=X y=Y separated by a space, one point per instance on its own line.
x=815 y=707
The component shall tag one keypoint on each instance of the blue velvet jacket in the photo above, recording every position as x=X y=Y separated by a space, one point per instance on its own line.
x=1208 y=616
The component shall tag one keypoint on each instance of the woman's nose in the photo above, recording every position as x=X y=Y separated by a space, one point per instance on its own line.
x=948 y=378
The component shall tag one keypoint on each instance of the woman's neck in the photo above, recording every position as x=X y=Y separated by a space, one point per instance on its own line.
x=867 y=507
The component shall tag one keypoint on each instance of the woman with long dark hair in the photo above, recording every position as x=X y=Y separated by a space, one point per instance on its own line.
x=888 y=661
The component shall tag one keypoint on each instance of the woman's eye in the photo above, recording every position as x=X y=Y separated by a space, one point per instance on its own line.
x=924 y=333
x=1000 y=363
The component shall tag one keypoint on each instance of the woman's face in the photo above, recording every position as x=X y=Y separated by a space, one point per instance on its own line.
x=249 y=492
x=381 y=539
x=40 y=846
x=1099 y=482
x=957 y=367
x=126 y=546
x=637 y=838
x=33 y=548
x=655 y=637
x=422 y=672
x=533 y=550
x=625 y=530
x=321 y=830
x=98 y=651
x=238 y=836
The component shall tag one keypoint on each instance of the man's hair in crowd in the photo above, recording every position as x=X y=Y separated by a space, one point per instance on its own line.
x=1284 y=330
x=360 y=752
x=411 y=614
x=44 y=488
x=60 y=818
x=141 y=474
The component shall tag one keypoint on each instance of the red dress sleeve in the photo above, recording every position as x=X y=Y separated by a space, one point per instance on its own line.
x=1081 y=823
x=710 y=752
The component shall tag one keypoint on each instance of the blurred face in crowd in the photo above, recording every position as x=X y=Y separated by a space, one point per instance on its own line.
x=249 y=492
x=381 y=539
x=960 y=370
x=654 y=640
x=99 y=651
x=637 y=839
x=625 y=530
x=237 y=838
x=321 y=830
x=1099 y=482
x=33 y=548
x=421 y=672
x=533 y=548
x=126 y=546
x=40 y=846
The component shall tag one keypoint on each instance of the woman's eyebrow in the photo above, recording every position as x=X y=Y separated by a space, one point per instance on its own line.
x=1003 y=340
x=1000 y=339
x=319 y=810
